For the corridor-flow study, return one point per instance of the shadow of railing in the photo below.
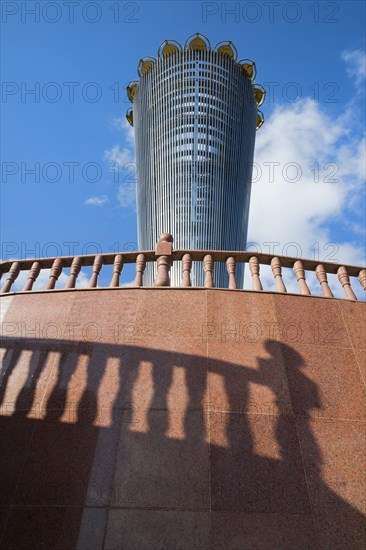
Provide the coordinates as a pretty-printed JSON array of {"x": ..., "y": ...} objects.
[{"x": 121, "y": 446}]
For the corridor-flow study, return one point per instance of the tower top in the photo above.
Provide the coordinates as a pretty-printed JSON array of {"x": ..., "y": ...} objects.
[{"x": 199, "y": 43}]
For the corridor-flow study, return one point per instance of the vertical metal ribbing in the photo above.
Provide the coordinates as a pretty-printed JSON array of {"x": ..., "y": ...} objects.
[
  {"x": 219, "y": 184},
  {"x": 232, "y": 162},
  {"x": 181, "y": 164},
  {"x": 194, "y": 175},
  {"x": 194, "y": 161}
]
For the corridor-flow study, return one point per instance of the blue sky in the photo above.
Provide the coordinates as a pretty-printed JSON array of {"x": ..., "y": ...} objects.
[{"x": 78, "y": 57}]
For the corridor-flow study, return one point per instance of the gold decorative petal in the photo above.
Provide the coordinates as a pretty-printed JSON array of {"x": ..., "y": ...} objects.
[
  {"x": 169, "y": 47},
  {"x": 226, "y": 50},
  {"x": 259, "y": 94},
  {"x": 197, "y": 42},
  {"x": 249, "y": 68},
  {"x": 226, "y": 47},
  {"x": 145, "y": 65},
  {"x": 132, "y": 88},
  {"x": 129, "y": 116},
  {"x": 260, "y": 119}
]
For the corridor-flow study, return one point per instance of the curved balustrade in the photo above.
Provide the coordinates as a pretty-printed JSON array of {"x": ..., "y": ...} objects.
[{"x": 164, "y": 256}]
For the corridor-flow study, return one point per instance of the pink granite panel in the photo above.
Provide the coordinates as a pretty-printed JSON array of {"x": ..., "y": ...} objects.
[
  {"x": 240, "y": 530},
  {"x": 309, "y": 320},
  {"x": 256, "y": 464},
  {"x": 57, "y": 467},
  {"x": 253, "y": 381},
  {"x": 171, "y": 313},
  {"x": 245, "y": 318},
  {"x": 334, "y": 460},
  {"x": 38, "y": 316},
  {"x": 156, "y": 529},
  {"x": 164, "y": 373},
  {"x": 354, "y": 314},
  {"x": 361, "y": 361},
  {"x": 324, "y": 382},
  {"x": 153, "y": 470},
  {"x": 42, "y": 527},
  {"x": 104, "y": 316}
]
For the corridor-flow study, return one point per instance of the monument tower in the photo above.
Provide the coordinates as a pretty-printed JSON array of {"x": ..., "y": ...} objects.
[
  {"x": 195, "y": 114},
  {"x": 141, "y": 416}
]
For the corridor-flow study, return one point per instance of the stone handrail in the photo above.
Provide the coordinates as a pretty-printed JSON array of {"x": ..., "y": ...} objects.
[{"x": 164, "y": 256}]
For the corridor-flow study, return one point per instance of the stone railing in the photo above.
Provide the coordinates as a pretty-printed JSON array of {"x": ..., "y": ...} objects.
[{"x": 164, "y": 256}]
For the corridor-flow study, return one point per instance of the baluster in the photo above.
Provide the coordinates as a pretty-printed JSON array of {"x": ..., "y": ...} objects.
[
  {"x": 32, "y": 277},
  {"x": 254, "y": 270},
  {"x": 208, "y": 264},
  {"x": 277, "y": 273},
  {"x": 300, "y": 276},
  {"x": 162, "y": 276},
  {"x": 230, "y": 266},
  {"x": 117, "y": 268},
  {"x": 97, "y": 266},
  {"x": 12, "y": 275},
  {"x": 362, "y": 278},
  {"x": 163, "y": 251},
  {"x": 186, "y": 270},
  {"x": 56, "y": 270},
  {"x": 323, "y": 280},
  {"x": 345, "y": 282},
  {"x": 74, "y": 272},
  {"x": 140, "y": 268}
]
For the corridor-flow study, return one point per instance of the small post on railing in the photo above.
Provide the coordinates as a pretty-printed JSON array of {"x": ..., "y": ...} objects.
[
  {"x": 300, "y": 276},
  {"x": 277, "y": 273},
  {"x": 12, "y": 275},
  {"x": 254, "y": 270},
  {"x": 97, "y": 266},
  {"x": 74, "y": 272},
  {"x": 56, "y": 271},
  {"x": 321, "y": 275},
  {"x": 163, "y": 251},
  {"x": 230, "y": 266},
  {"x": 140, "y": 268},
  {"x": 362, "y": 278},
  {"x": 345, "y": 282},
  {"x": 186, "y": 270},
  {"x": 33, "y": 274},
  {"x": 208, "y": 264},
  {"x": 117, "y": 268}
]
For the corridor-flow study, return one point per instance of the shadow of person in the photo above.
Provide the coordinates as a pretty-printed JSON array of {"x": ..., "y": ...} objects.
[
  {"x": 303, "y": 392},
  {"x": 260, "y": 468},
  {"x": 339, "y": 524}
]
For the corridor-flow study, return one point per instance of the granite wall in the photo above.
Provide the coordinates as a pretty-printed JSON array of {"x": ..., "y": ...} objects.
[{"x": 193, "y": 419}]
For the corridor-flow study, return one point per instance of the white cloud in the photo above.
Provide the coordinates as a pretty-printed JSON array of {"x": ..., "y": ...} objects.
[
  {"x": 128, "y": 284},
  {"x": 97, "y": 201},
  {"x": 126, "y": 165},
  {"x": 82, "y": 280},
  {"x": 121, "y": 156},
  {"x": 117, "y": 123},
  {"x": 126, "y": 194},
  {"x": 120, "y": 123},
  {"x": 355, "y": 65},
  {"x": 328, "y": 160}
]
